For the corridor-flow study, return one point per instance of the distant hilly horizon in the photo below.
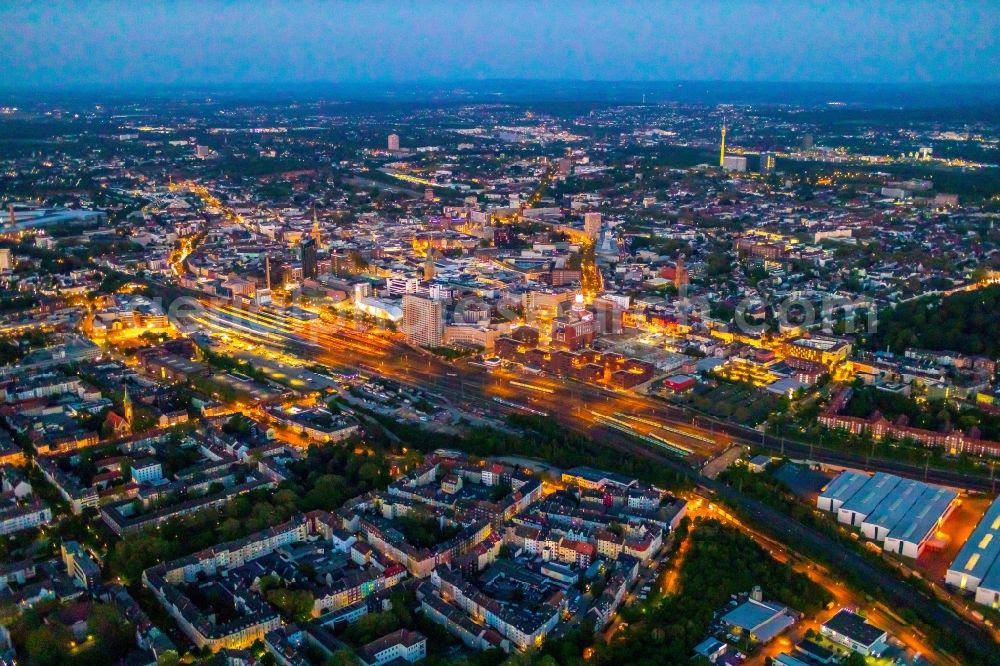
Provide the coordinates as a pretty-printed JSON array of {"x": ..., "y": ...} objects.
[{"x": 795, "y": 93}]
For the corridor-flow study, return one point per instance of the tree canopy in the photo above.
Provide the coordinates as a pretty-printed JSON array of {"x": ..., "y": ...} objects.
[{"x": 965, "y": 322}]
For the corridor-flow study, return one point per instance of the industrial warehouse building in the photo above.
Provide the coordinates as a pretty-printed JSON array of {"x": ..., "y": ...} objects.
[
  {"x": 759, "y": 620},
  {"x": 901, "y": 513},
  {"x": 877, "y": 525},
  {"x": 977, "y": 566},
  {"x": 853, "y": 632},
  {"x": 912, "y": 533},
  {"x": 856, "y": 509},
  {"x": 840, "y": 490}
]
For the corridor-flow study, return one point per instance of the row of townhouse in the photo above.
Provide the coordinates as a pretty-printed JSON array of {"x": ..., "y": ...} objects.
[
  {"x": 46, "y": 385},
  {"x": 257, "y": 617},
  {"x": 356, "y": 586},
  {"x": 69, "y": 489},
  {"x": 417, "y": 485},
  {"x": 18, "y": 517},
  {"x": 605, "y": 607},
  {"x": 556, "y": 526},
  {"x": 418, "y": 561},
  {"x": 457, "y": 622},
  {"x": 582, "y": 549},
  {"x": 123, "y": 518},
  {"x": 953, "y": 442},
  {"x": 639, "y": 497},
  {"x": 390, "y": 543},
  {"x": 480, "y": 556},
  {"x": 525, "y": 629},
  {"x": 641, "y": 542}
]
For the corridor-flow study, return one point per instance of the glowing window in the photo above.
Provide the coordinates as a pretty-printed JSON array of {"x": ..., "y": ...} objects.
[
  {"x": 972, "y": 561},
  {"x": 985, "y": 541}
]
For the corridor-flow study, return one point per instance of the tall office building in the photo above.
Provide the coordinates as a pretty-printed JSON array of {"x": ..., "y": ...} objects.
[
  {"x": 592, "y": 224},
  {"x": 6, "y": 259},
  {"x": 423, "y": 321},
  {"x": 767, "y": 162},
  {"x": 309, "y": 258},
  {"x": 734, "y": 163},
  {"x": 393, "y": 143}
]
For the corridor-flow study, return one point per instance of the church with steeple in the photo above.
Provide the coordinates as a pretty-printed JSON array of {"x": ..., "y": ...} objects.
[
  {"x": 429, "y": 268},
  {"x": 127, "y": 408},
  {"x": 118, "y": 425},
  {"x": 316, "y": 234}
]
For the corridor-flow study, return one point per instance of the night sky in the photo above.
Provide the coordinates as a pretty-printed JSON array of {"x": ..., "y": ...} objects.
[{"x": 115, "y": 43}]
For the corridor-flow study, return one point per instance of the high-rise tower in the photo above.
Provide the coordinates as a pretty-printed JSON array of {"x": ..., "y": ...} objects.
[
  {"x": 309, "y": 258},
  {"x": 767, "y": 162},
  {"x": 423, "y": 321},
  {"x": 722, "y": 148}
]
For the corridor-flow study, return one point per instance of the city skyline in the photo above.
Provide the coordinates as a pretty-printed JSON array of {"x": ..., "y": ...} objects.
[{"x": 107, "y": 43}]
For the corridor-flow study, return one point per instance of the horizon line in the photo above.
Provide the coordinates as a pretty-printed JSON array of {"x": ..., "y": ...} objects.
[{"x": 103, "y": 85}]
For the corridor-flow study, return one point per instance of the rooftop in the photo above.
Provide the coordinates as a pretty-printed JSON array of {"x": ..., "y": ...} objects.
[
  {"x": 872, "y": 493},
  {"x": 855, "y": 627},
  {"x": 979, "y": 555},
  {"x": 916, "y": 527},
  {"x": 897, "y": 504},
  {"x": 763, "y": 619},
  {"x": 844, "y": 486}
]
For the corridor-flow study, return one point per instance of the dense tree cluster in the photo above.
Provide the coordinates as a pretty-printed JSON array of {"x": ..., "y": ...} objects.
[
  {"x": 39, "y": 634},
  {"x": 325, "y": 478},
  {"x": 719, "y": 562},
  {"x": 965, "y": 322},
  {"x": 294, "y": 605},
  {"x": 537, "y": 437},
  {"x": 422, "y": 530}
]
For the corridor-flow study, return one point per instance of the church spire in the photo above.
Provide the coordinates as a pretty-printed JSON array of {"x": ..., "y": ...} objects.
[
  {"x": 127, "y": 407},
  {"x": 316, "y": 234},
  {"x": 429, "y": 265}
]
